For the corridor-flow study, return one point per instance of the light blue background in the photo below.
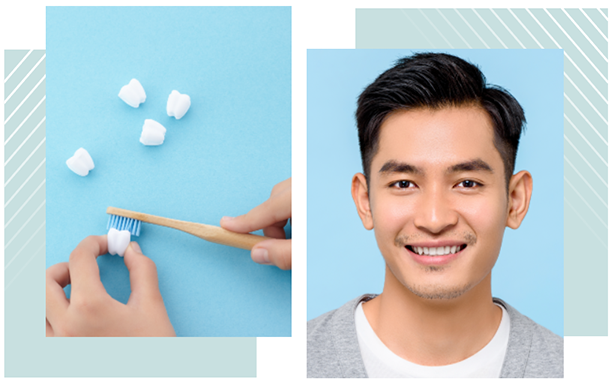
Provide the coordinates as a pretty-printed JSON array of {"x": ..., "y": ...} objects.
[
  {"x": 222, "y": 158},
  {"x": 343, "y": 258}
]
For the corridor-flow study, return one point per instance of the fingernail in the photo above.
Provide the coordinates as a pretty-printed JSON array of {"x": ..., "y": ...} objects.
[
  {"x": 226, "y": 218},
  {"x": 136, "y": 247},
  {"x": 260, "y": 256}
]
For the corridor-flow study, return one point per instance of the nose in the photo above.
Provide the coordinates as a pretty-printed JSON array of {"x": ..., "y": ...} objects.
[{"x": 434, "y": 213}]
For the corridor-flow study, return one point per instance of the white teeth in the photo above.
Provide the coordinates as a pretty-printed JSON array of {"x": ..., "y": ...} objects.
[
  {"x": 133, "y": 93},
  {"x": 81, "y": 162},
  {"x": 178, "y": 104},
  {"x": 432, "y": 251},
  {"x": 153, "y": 133}
]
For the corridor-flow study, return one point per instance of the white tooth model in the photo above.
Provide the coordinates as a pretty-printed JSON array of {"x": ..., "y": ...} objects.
[
  {"x": 153, "y": 133},
  {"x": 178, "y": 104},
  {"x": 133, "y": 93},
  {"x": 118, "y": 241},
  {"x": 81, "y": 162}
]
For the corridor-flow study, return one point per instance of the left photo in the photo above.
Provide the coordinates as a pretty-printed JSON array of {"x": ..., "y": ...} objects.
[{"x": 168, "y": 144}]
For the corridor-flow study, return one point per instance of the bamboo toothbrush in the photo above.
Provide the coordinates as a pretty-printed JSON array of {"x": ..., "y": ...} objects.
[{"x": 121, "y": 219}]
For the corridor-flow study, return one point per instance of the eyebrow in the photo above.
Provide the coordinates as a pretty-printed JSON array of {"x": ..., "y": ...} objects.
[
  {"x": 472, "y": 165},
  {"x": 392, "y": 166}
]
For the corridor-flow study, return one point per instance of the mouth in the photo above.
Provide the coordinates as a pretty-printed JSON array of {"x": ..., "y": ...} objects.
[
  {"x": 436, "y": 251},
  {"x": 434, "y": 255}
]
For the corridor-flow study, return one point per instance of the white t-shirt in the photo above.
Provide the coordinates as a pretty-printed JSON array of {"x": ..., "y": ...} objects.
[{"x": 381, "y": 362}]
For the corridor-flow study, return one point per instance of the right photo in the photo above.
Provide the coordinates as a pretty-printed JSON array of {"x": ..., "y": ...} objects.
[{"x": 435, "y": 213}]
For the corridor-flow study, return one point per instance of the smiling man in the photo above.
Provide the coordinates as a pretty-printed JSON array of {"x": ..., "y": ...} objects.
[{"x": 438, "y": 147}]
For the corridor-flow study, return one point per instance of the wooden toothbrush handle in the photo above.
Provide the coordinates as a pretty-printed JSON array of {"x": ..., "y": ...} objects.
[{"x": 208, "y": 232}]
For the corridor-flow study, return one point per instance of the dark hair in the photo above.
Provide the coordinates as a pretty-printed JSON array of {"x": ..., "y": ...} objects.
[{"x": 435, "y": 81}]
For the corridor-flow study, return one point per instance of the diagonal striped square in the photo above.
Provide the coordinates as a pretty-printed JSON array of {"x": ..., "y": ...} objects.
[{"x": 24, "y": 165}]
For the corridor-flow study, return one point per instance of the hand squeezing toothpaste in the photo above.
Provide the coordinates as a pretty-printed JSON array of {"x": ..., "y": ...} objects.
[
  {"x": 271, "y": 216},
  {"x": 91, "y": 311}
]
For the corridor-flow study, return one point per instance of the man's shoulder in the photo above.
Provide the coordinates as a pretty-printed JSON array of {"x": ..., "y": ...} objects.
[
  {"x": 342, "y": 318},
  {"x": 333, "y": 349},
  {"x": 533, "y": 350}
]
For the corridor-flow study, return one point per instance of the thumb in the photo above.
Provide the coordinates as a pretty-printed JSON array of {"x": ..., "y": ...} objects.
[
  {"x": 142, "y": 274},
  {"x": 273, "y": 251}
]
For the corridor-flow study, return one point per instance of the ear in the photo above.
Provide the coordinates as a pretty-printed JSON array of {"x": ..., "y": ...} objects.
[
  {"x": 520, "y": 191},
  {"x": 361, "y": 200}
]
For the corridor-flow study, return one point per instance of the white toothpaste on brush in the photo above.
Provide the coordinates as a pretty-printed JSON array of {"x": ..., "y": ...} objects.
[
  {"x": 133, "y": 93},
  {"x": 118, "y": 241},
  {"x": 178, "y": 104},
  {"x": 81, "y": 162}
]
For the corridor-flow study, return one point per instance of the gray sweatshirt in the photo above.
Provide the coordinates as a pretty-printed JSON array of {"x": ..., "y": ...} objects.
[{"x": 333, "y": 347}]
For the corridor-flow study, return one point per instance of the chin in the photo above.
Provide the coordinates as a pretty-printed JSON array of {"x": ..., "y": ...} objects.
[
  {"x": 438, "y": 292},
  {"x": 435, "y": 282}
]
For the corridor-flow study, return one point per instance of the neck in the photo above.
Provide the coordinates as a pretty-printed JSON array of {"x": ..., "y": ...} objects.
[{"x": 433, "y": 332}]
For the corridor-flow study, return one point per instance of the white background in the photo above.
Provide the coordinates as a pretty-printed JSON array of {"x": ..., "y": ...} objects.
[{"x": 315, "y": 24}]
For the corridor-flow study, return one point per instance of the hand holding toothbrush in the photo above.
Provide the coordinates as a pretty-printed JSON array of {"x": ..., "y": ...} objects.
[
  {"x": 271, "y": 216},
  {"x": 91, "y": 311}
]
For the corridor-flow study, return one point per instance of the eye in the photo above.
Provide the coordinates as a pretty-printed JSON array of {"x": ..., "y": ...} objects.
[
  {"x": 469, "y": 184},
  {"x": 402, "y": 184}
]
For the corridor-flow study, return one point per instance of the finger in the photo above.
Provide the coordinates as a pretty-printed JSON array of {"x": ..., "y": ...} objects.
[
  {"x": 49, "y": 331},
  {"x": 84, "y": 271},
  {"x": 57, "y": 277},
  {"x": 276, "y": 230},
  {"x": 277, "y": 208},
  {"x": 142, "y": 275},
  {"x": 281, "y": 187},
  {"x": 59, "y": 274},
  {"x": 273, "y": 251}
]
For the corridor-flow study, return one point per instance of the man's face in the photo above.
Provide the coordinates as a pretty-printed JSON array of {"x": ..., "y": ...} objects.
[{"x": 437, "y": 199}]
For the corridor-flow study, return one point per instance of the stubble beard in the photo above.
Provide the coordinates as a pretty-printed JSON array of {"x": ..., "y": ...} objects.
[
  {"x": 433, "y": 292},
  {"x": 438, "y": 291}
]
